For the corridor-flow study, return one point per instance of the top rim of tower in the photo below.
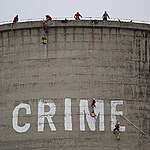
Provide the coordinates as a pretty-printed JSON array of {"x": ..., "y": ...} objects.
[{"x": 125, "y": 24}]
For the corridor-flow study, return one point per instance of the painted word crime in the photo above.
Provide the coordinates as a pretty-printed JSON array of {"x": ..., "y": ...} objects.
[{"x": 84, "y": 115}]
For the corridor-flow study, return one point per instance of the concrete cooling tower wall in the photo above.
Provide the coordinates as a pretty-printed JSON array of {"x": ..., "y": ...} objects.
[{"x": 46, "y": 88}]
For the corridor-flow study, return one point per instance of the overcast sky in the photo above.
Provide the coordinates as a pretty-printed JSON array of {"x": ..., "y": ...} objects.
[{"x": 32, "y": 9}]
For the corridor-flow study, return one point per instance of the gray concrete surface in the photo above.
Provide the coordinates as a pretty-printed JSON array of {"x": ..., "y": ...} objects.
[{"x": 83, "y": 59}]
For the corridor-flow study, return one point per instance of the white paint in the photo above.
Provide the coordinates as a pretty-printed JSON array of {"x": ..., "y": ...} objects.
[
  {"x": 100, "y": 110},
  {"x": 48, "y": 115},
  {"x": 84, "y": 110},
  {"x": 114, "y": 113},
  {"x": 84, "y": 117},
  {"x": 67, "y": 115},
  {"x": 26, "y": 126}
]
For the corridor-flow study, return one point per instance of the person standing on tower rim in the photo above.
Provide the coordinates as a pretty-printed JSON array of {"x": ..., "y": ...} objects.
[
  {"x": 77, "y": 16},
  {"x": 15, "y": 20},
  {"x": 105, "y": 16}
]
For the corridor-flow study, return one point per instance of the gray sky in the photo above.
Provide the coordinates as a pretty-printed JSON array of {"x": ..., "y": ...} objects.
[{"x": 31, "y": 9}]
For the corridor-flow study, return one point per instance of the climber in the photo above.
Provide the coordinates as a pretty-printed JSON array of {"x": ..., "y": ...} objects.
[
  {"x": 45, "y": 23},
  {"x": 48, "y": 18},
  {"x": 93, "y": 102},
  {"x": 117, "y": 127},
  {"x": 15, "y": 20},
  {"x": 116, "y": 130},
  {"x": 77, "y": 16},
  {"x": 105, "y": 16},
  {"x": 93, "y": 114}
]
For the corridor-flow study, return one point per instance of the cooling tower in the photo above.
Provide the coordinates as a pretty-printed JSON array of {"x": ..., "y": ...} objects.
[{"x": 50, "y": 74}]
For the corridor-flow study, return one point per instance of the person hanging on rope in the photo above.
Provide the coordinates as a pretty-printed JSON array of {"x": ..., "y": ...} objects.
[
  {"x": 45, "y": 23},
  {"x": 105, "y": 16},
  {"x": 116, "y": 130},
  {"x": 16, "y": 18},
  {"x": 117, "y": 127},
  {"x": 77, "y": 16},
  {"x": 93, "y": 105},
  {"x": 93, "y": 102}
]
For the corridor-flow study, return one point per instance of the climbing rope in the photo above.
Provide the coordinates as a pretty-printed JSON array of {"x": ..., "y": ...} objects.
[{"x": 141, "y": 131}]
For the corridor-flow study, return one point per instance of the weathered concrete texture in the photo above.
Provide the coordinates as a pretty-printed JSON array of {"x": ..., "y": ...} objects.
[{"x": 83, "y": 59}]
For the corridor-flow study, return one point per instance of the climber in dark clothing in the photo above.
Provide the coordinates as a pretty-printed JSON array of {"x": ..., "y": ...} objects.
[
  {"x": 105, "y": 16},
  {"x": 93, "y": 114},
  {"x": 15, "y": 20},
  {"x": 77, "y": 16},
  {"x": 117, "y": 127},
  {"x": 48, "y": 18},
  {"x": 93, "y": 102}
]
